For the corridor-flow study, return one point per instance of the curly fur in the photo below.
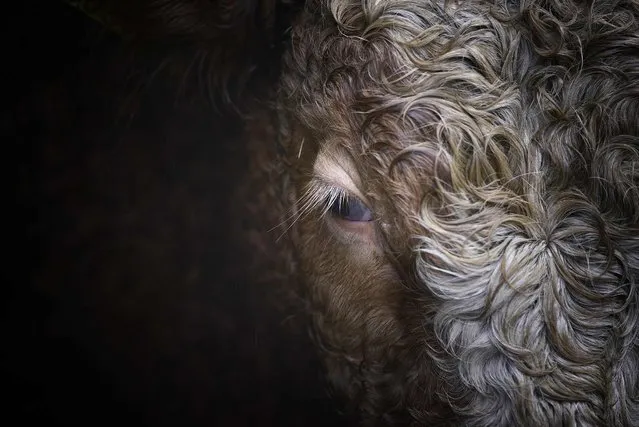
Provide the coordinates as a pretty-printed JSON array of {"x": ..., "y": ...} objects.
[{"x": 498, "y": 142}]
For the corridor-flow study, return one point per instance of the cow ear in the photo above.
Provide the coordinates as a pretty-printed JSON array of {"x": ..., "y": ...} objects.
[{"x": 238, "y": 38}]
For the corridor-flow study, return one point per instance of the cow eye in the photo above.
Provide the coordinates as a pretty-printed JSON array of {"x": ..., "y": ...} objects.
[{"x": 350, "y": 208}]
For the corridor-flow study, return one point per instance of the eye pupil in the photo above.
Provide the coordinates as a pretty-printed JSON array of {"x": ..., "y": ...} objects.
[{"x": 351, "y": 209}]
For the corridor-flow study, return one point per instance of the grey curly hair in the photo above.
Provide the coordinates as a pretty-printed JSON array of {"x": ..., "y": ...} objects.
[{"x": 497, "y": 143}]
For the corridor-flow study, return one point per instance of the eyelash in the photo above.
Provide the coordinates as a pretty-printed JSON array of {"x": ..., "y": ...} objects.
[
  {"x": 334, "y": 200},
  {"x": 321, "y": 195}
]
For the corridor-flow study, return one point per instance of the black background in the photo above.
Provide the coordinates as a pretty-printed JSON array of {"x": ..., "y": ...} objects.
[{"x": 126, "y": 298}]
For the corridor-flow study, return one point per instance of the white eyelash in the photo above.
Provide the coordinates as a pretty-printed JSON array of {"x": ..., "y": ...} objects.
[
  {"x": 318, "y": 194},
  {"x": 321, "y": 195}
]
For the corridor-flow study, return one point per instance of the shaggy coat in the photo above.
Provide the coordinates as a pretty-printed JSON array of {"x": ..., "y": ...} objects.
[{"x": 497, "y": 145}]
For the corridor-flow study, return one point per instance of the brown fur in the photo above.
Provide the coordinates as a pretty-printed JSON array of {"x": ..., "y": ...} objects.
[{"x": 496, "y": 143}]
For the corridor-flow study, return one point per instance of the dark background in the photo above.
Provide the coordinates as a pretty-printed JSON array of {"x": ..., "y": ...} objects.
[{"x": 126, "y": 297}]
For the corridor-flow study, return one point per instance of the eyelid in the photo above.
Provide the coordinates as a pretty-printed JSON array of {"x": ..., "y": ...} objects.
[
  {"x": 333, "y": 191},
  {"x": 329, "y": 185},
  {"x": 331, "y": 173},
  {"x": 326, "y": 192}
]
